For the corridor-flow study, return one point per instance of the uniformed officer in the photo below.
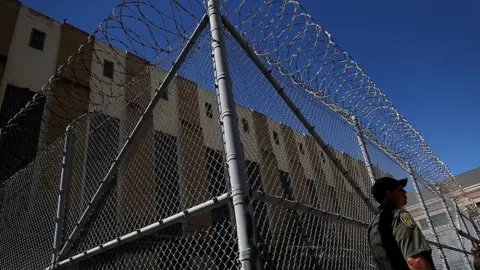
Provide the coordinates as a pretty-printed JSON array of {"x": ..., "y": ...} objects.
[
  {"x": 394, "y": 238},
  {"x": 476, "y": 257}
]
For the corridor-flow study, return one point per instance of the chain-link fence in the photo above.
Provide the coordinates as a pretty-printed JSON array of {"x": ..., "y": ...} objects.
[{"x": 204, "y": 142}]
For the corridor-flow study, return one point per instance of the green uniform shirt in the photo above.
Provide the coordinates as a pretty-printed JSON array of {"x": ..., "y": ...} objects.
[
  {"x": 394, "y": 236},
  {"x": 476, "y": 263}
]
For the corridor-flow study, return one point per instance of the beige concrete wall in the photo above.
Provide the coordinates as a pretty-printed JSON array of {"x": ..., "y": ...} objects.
[
  {"x": 165, "y": 114},
  {"x": 296, "y": 169},
  {"x": 278, "y": 149},
  {"x": 27, "y": 67},
  {"x": 248, "y": 138},
  {"x": 137, "y": 71},
  {"x": 69, "y": 101},
  {"x": 107, "y": 94},
  {"x": 278, "y": 218},
  {"x": 263, "y": 135},
  {"x": 23, "y": 60},
  {"x": 211, "y": 129},
  {"x": 78, "y": 70},
  {"x": 192, "y": 162},
  {"x": 136, "y": 192},
  {"x": 136, "y": 186},
  {"x": 305, "y": 158},
  {"x": 317, "y": 162},
  {"x": 69, "y": 97}
]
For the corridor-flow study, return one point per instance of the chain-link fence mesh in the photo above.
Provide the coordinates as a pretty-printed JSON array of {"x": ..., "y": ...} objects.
[
  {"x": 175, "y": 163},
  {"x": 145, "y": 156},
  {"x": 28, "y": 211},
  {"x": 440, "y": 225},
  {"x": 289, "y": 165}
]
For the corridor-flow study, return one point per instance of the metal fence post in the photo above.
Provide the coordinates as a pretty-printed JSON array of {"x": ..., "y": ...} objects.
[
  {"x": 427, "y": 214},
  {"x": 452, "y": 224},
  {"x": 363, "y": 147},
  {"x": 63, "y": 193},
  {"x": 247, "y": 248}
]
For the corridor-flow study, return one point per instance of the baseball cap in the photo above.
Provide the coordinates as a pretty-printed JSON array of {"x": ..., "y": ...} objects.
[{"x": 384, "y": 184}]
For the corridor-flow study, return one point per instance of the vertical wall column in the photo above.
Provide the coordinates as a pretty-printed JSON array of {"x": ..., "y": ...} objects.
[{"x": 233, "y": 150}]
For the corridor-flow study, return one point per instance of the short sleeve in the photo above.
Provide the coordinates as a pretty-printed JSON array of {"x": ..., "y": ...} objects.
[{"x": 408, "y": 235}]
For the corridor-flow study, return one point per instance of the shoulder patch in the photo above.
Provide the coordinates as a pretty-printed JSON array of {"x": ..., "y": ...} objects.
[{"x": 407, "y": 219}]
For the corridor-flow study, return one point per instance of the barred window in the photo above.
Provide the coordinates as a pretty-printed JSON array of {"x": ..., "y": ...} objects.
[
  {"x": 301, "y": 149},
  {"x": 208, "y": 110},
  {"x": 312, "y": 192},
  {"x": 275, "y": 138},
  {"x": 37, "y": 39},
  {"x": 286, "y": 183},
  {"x": 164, "y": 94},
  {"x": 108, "y": 69},
  {"x": 245, "y": 125}
]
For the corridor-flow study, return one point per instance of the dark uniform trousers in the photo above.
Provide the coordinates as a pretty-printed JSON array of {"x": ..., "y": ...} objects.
[{"x": 393, "y": 236}]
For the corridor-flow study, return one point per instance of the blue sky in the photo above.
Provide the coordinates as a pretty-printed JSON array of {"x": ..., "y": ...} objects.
[{"x": 422, "y": 54}]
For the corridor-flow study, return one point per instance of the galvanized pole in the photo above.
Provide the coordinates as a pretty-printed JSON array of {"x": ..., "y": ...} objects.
[
  {"x": 363, "y": 147},
  {"x": 63, "y": 193},
  {"x": 427, "y": 215},
  {"x": 247, "y": 247},
  {"x": 452, "y": 224}
]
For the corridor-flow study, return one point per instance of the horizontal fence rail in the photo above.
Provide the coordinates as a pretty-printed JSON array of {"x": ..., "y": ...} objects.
[{"x": 196, "y": 210}]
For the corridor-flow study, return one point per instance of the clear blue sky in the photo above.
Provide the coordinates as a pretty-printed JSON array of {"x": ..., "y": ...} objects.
[{"x": 424, "y": 55}]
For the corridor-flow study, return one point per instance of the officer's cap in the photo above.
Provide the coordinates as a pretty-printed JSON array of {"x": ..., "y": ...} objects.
[{"x": 384, "y": 184}]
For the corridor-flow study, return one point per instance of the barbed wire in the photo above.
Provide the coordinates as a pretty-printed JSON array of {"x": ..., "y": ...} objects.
[
  {"x": 285, "y": 35},
  {"x": 290, "y": 40},
  {"x": 280, "y": 31}
]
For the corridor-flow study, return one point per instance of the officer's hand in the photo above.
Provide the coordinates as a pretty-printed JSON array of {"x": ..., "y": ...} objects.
[{"x": 418, "y": 262}]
